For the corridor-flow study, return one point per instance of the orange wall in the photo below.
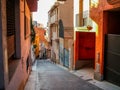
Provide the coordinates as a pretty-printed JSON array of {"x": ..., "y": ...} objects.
[
  {"x": 39, "y": 38},
  {"x": 37, "y": 41},
  {"x": 20, "y": 76},
  {"x": 98, "y": 16},
  {"x": 42, "y": 36}
]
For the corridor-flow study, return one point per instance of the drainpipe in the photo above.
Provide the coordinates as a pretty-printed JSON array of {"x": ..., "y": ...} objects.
[{"x": 80, "y": 13}]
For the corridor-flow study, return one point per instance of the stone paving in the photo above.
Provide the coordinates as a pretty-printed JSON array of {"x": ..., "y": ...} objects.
[
  {"x": 87, "y": 74},
  {"x": 48, "y": 76}
]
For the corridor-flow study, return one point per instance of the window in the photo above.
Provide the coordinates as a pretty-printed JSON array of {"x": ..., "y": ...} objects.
[
  {"x": 10, "y": 12},
  {"x": 27, "y": 27},
  {"x": 10, "y": 17},
  {"x": 61, "y": 29},
  {"x": 26, "y": 21}
]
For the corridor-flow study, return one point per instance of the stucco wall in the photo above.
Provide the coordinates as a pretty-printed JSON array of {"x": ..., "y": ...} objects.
[
  {"x": 66, "y": 13},
  {"x": 21, "y": 74},
  {"x": 97, "y": 14}
]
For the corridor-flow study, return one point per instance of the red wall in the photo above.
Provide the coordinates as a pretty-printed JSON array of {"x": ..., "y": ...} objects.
[{"x": 84, "y": 48}]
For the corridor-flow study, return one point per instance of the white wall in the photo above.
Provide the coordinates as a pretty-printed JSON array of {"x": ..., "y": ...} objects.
[
  {"x": 85, "y": 5},
  {"x": 76, "y": 10}
]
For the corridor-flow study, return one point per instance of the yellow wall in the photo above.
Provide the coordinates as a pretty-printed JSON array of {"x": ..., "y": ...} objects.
[{"x": 37, "y": 40}]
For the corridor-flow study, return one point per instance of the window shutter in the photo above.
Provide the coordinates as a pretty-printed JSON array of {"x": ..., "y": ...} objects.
[{"x": 10, "y": 17}]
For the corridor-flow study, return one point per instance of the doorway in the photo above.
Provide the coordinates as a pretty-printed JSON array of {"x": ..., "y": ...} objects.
[
  {"x": 112, "y": 46},
  {"x": 84, "y": 54}
]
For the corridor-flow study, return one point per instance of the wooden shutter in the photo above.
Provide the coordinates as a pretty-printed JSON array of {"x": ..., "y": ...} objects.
[
  {"x": 10, "y": 17},
  {"x": 10, "y": 11}
]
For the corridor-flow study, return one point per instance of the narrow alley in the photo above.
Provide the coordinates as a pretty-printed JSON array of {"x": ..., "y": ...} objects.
[
  {"x": 81, "y": 37},
  {"x": 48, "y": 76}
]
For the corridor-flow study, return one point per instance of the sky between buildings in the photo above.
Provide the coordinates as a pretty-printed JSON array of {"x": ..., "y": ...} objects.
[{"x": 41, "y": 16}]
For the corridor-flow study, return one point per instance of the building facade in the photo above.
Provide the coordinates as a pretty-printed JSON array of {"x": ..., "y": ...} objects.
[
  {"x": 15, "y": 58},
  {"x": 105, "y": 14},
  {"x": 36, "y": 43},
  {"x": 43, "y": 44},
  {"x": 53, "y": 32},
  {"x": 61, "y": 31},
  {"x": 84, "y": 36},
  {"x": 66, "y": 35}
]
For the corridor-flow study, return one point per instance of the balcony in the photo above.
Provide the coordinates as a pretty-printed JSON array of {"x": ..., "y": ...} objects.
[
  {"x": 55, "y": 39},
  {"x": 55, "y": 36},
  {"x": 53, "y": 19}
]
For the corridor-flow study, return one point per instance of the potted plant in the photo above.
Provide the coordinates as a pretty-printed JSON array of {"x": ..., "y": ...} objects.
[{"x": 89, "y": 27}]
